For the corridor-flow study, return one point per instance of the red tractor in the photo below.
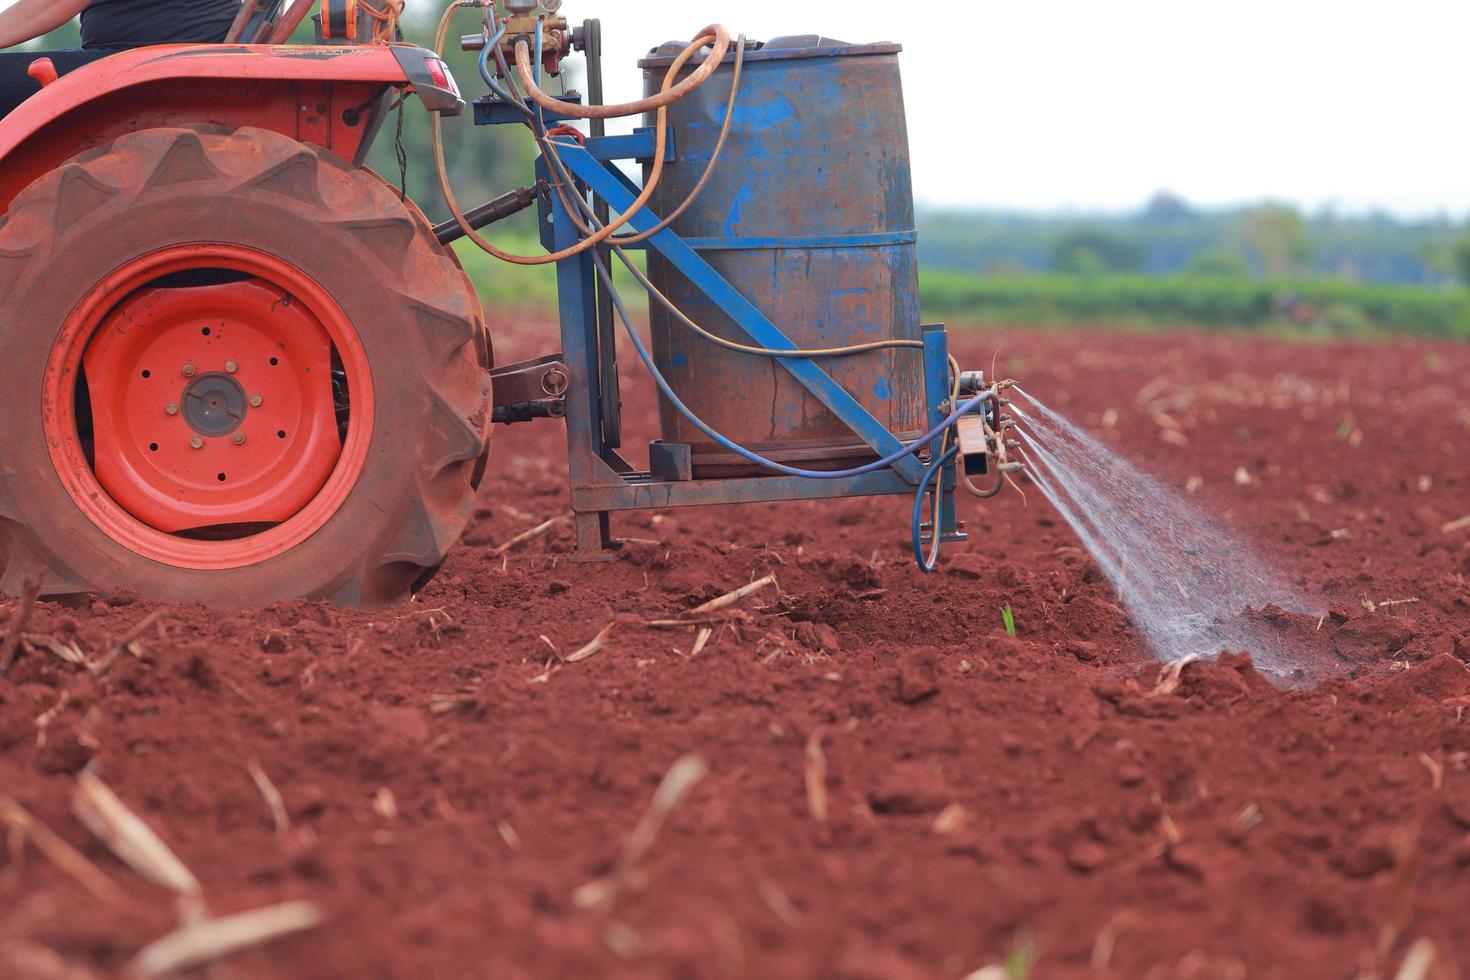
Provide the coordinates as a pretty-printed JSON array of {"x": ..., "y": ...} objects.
[
  {"x": 240, "y": 367},
  {"x": 202, "y": 289}
]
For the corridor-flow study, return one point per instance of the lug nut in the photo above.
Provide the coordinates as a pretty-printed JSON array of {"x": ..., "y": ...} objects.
[
  {"x": 256, "y": 401},
  {"x": 196, "y": 443},
  {"x": 172, "y": 408},
  {"x": 189, "y": 370},
  {"x": 239, "y": 438},
  {"x": 231, "y": 367}
]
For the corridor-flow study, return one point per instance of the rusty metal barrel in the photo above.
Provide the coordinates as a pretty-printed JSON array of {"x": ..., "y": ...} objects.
[{"x": 810, "y": 214}]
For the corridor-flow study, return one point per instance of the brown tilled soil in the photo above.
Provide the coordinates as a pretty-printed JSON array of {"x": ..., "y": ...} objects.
[{"x": 450, "y": 783}]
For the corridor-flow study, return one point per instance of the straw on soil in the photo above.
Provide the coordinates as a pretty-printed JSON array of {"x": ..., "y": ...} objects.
[
  {"x": 127, "y": 836},
  {"x": 11, "y": 646},
  {"x": 1418, "y": 961},
  {"x": 730, "y": 598},
  {"x": 815, "y": 772},
  {"x": 274, "y": 802},
  {"x": 530, "y": 535},
  {"x": 205, "y": 941},
  {"x": 128, "y": 644},
  {"x": 682, "y": 777},
  {"x": 1170, "y": 676},
  {"x": 591, "y": 648},
  {"x": 58, "y": 851}
]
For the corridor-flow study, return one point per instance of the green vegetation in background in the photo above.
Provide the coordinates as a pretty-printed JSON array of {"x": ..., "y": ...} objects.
[
  {"x": 1167, "y": 264},
  {"x": 66, "y": 37},
  {"x": 1168, "y": 235},
  {"x": 1328, "y": 306},
  {"x": 504, "y": 286}
]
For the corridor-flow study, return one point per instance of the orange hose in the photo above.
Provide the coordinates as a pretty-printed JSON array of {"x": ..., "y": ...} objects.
[
  {"x": 666, "y": 97},
  {"x": 660, "y": 146}
]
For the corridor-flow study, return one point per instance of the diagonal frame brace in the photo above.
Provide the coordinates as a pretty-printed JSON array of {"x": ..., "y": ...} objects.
[{"x": 760, "y": 330}]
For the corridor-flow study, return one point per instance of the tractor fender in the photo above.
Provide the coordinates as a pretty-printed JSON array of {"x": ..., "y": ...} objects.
[{"x": 333, "y": 97}]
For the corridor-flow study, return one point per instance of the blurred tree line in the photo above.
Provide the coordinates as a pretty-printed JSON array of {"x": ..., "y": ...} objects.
[{"x": 1268, "y": 241}]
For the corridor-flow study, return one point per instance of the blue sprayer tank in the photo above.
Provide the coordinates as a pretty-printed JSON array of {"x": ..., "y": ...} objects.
[{"x": 810, "y": 214}]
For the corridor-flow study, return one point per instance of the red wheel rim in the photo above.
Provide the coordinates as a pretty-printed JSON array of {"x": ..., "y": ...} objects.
[{"x": 212, "y": 407}]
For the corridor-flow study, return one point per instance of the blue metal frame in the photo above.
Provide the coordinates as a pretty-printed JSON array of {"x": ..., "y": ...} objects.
[{"x": 601, "y": 480}]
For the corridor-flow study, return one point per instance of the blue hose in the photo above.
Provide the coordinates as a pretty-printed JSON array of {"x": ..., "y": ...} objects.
[
  {"x": 688, "y": 413},
  {"x": 928, "y": 562},
  {"x": 487, "y": 74}
]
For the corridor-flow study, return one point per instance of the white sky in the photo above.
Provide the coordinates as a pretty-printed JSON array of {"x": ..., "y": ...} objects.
[
  {"x": 1089, "y": 104},
  {"x": 1096, "y": 104}
]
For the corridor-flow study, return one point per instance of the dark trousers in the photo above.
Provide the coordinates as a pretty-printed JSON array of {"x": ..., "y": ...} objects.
[{"x": 16, "y": 86}]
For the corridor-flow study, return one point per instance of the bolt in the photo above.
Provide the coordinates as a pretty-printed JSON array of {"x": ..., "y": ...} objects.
[
  {"x": 231, "y": 367},
  {"x": 256, "y": 401},
  {"x": 172, "y": 408},
  {"x": 239, "y": 438},
  {"x": 196, "y": 443},
  {"x": 189, "y": 370}
]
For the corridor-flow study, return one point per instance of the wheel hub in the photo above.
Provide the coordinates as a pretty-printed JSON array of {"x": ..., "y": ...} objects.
[{"x": 212, "y": 406}]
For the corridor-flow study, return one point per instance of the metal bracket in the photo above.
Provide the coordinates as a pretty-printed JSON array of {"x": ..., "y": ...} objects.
[
  {"x": 530, "y": 390},
  {"x": 671, "y": 461},
  {"x": 491, "y": 110}
]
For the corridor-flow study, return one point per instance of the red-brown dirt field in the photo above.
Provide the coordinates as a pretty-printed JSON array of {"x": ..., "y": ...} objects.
[{"x": 450, "y": 784}]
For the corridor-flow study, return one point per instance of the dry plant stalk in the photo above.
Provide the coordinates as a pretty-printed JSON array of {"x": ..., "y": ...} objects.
[
  {"x": 128, "y": 644},
  {"x": 58, "y": 851},
  {"x": 385, "y": 804},
  {"x": 66, "y": 652},
  {"x": 1171, "y": 676},
  {"x": 1459, "y": 524},
  {"x": 591, "y": 648},
  {"x": 995, "y": 972},
  {"x": 1408, "y": 861},
  {"x": 448, "y": 704},
  {"x": 950, "y": 819},
  {"x": 681, "y": 624},
  {"x": 730, "y": 598},
  {"x": 127, "y": 836},
  {"x": 682, "y": 777},
  {"x": 206, "y": 941},
  {"x": 273, "y": 799},
  {"x": 11, "y": 646},
  {"x": 815, "y": 772},
  {"x": 701, "y": 641},
  {"x": 1417, "y": 961},
  {"x": 530, "y": 535},
  {"x": 1436, "y": 771}
]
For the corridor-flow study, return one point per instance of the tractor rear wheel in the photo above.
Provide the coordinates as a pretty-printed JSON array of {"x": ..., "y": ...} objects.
[{"x": 236, "y": 370}]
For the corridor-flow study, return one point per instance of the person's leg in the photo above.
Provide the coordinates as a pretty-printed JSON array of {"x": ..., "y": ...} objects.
[{"x": 16, "y": 86}]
